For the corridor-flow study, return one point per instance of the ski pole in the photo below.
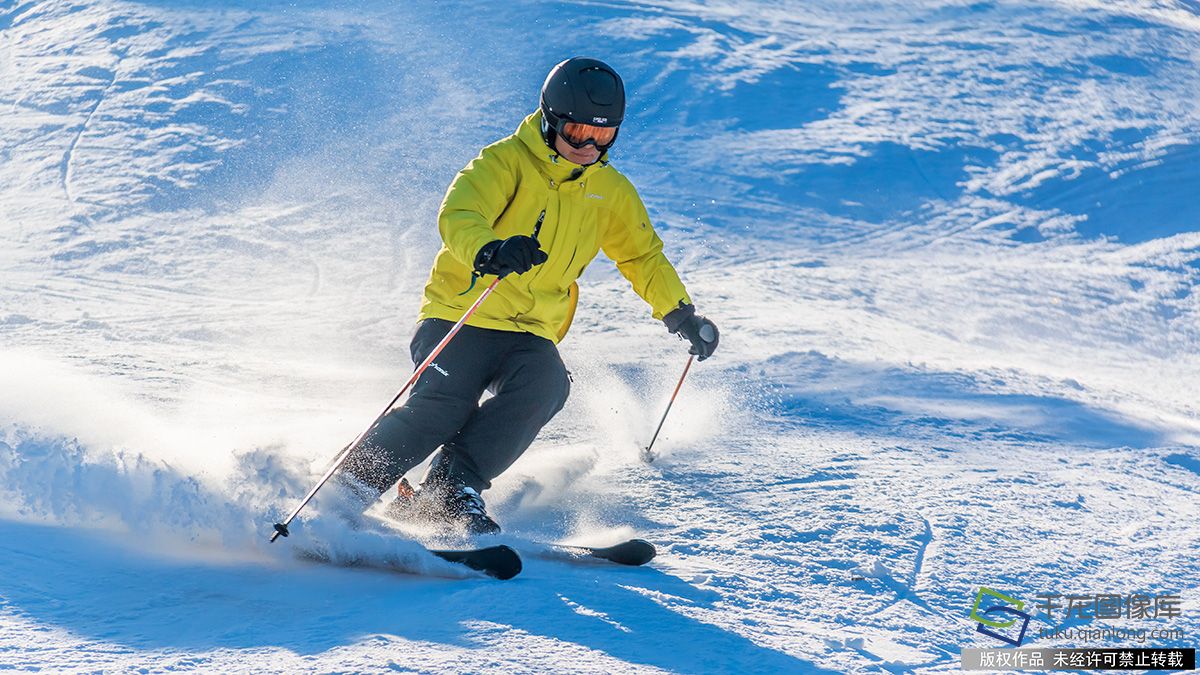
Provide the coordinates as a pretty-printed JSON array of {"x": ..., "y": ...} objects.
[
  {"x": 282, "y": 528},
  {"x": 646, "y": 454}
]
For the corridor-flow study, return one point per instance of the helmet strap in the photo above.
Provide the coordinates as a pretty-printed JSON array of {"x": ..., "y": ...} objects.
[{"x": 548, "y": 131}]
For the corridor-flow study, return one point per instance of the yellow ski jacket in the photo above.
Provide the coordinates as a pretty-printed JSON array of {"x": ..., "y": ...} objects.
[{"x": 501, "y": 193}]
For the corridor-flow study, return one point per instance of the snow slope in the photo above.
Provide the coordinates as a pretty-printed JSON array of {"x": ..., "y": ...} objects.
[{"x": 953, "y": 250}]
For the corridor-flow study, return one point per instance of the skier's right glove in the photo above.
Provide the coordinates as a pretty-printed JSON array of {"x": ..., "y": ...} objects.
[
  {"x": 701, "y": 332},
  {"x": 517, "y": 254}
]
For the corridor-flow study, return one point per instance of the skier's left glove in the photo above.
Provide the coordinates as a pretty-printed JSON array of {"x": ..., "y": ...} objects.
[{"x": 700, "y": 331}]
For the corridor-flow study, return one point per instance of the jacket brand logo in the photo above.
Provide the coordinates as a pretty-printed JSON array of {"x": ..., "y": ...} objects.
[
  {"x": 600, "y": 120},
  {"x": 438, "y": 368},
  {"x": 593, "y": 195}
]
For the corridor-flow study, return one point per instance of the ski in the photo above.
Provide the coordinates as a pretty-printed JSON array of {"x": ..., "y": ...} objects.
[
  {"x": 500, "y": 562},
  {"x": 634, "y": 552}
]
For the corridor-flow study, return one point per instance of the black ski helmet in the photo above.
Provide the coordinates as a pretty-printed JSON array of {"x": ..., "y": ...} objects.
[{"x": 581, "y": 90}]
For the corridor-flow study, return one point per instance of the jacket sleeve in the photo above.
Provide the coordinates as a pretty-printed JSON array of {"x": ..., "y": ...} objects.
[
  {"x": 473, "y": 202},
  {"x": 636, "y": 248}
]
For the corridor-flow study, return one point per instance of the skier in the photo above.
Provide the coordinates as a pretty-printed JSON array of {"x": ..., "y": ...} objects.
[{"x": 534, "y": 208}]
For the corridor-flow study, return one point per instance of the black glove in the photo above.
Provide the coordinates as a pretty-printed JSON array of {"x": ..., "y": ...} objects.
[
  {"x": 517, "y": 254},
  {"x": 702, "y": 333}
]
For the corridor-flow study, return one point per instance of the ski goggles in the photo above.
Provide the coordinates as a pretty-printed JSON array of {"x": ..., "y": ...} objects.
[{"x": 579, "y": 135}]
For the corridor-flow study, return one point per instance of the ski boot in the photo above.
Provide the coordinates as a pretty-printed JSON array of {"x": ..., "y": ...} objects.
[{"x": 442, "y": 502}]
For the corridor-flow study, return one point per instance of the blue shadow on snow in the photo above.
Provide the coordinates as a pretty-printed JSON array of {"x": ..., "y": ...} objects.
[
  {"x": 829, "y": 392},
  {"x": 98, "y": 589}
]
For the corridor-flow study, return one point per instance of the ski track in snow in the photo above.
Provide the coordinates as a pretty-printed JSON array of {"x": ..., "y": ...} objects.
[{"x": 952, "y": 249}]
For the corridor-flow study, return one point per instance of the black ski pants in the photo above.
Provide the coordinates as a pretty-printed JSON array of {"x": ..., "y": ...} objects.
[{"x": 529, "y": 384}]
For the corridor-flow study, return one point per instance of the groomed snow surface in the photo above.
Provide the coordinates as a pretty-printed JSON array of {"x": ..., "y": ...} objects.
[{"x": 953, "y": 249}]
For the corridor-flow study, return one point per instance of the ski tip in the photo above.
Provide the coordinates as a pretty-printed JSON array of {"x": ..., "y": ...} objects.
[
  {"x": 506, "y": 563},
  {"x": 633, "y": 552},
  {"x": 500, "y": 562}
]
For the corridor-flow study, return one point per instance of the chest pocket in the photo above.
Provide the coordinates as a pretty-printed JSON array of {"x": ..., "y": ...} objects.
[
  {"x": 592, "y": 213},
  {"x": 521, "y": 213},
  {"x": 588, "y": 242},
  {"x": 572, "y": 244}
]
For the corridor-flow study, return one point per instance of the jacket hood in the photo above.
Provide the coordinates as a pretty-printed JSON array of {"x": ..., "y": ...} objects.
[{"x": 554, "y": 165}]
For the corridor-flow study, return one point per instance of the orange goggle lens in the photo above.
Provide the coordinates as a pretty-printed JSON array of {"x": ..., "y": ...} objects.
[{"x": 578, "y": 134}]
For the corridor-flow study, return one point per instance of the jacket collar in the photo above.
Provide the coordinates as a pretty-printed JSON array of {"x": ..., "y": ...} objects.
[{"x": 555, "y": 166}]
